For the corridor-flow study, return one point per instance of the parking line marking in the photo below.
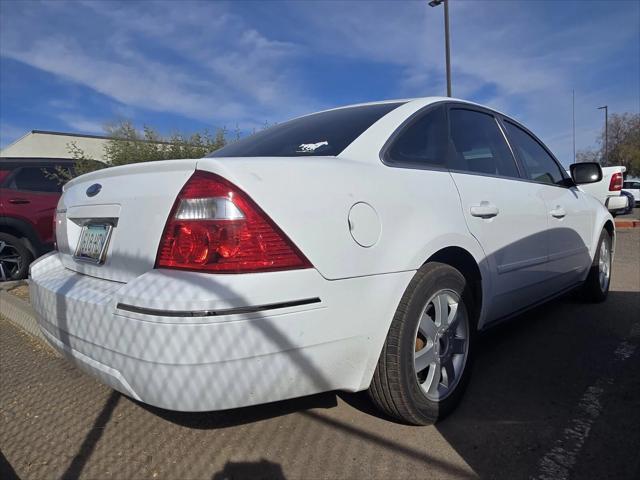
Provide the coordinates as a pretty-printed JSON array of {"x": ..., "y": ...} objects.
[{"x": 558, "y": 462}]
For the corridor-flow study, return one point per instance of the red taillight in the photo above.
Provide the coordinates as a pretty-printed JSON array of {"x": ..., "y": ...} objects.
[
  {"x": 615, "y": 185},
  {"x": 215, "y": 227}
]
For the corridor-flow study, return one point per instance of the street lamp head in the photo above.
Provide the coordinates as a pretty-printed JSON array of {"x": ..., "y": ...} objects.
[
  {"x": 435, "y": 3},
  {"x": 602, "y": 108}
]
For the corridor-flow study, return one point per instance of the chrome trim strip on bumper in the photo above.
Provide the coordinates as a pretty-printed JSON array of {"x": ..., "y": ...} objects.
[{"x": 215, "y": 313}]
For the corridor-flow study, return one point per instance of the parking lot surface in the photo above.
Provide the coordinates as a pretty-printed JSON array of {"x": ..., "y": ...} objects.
[{"x": 555, "y": 394}]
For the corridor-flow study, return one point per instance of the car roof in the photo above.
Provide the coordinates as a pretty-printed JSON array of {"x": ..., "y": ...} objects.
[{"x": 418, "y": 102}]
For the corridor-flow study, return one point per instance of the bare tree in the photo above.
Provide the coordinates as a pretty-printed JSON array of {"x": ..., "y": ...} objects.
[{"x": 624, "y": 144}]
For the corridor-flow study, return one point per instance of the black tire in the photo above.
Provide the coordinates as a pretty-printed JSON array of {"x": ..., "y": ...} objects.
[
  {"x": 592, "y": 289},
  {"x": 395, "y": 387},
  {"x": 12, "y": 248}
]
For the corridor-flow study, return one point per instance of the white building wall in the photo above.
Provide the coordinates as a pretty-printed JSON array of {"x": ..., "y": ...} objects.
[{"x": 54, "y": 145}]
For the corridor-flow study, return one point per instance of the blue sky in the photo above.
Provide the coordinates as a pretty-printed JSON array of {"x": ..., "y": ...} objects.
[{"x": 185, "y": 66}]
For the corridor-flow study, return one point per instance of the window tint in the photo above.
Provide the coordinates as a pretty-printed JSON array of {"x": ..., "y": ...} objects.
[
  {"x": 423, "y": 142},
  {"x": 478, "y": 144},
  {"x": 325, "y": 133},
  {"x": 33, "y": 179},
  {"x": 540, "y": 166},
  {"x": 4, "y": 174},
  {"x": 631, "y": 185}
]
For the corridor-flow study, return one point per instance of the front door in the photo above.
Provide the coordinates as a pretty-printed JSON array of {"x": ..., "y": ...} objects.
[{"x": 570, "y": 217}]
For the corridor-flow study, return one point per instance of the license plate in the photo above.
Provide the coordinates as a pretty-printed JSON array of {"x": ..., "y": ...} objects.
[{"x": 94, "y": 239}]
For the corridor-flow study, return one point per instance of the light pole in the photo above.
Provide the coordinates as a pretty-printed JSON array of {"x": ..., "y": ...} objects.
[
  {"x": 606, "y": 134},
  {"x": 435, "y": 3},
  {"x": 573, "y": 112}
]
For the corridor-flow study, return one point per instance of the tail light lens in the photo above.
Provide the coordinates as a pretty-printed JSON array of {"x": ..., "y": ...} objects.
[
  {"x": 615, "y": 185},
  {"x": 215, "y": 227}
]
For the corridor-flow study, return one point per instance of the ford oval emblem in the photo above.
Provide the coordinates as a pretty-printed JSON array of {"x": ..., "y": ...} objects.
[{"x": 93, "y": 190}]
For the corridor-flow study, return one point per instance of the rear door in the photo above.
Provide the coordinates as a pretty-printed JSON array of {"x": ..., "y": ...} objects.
[
  {"x": 570, "y": 217},
  {"x": 507, "y": 215}
]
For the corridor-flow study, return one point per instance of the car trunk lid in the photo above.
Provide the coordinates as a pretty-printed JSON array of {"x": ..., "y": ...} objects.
[{"x": 133, "y": 202}]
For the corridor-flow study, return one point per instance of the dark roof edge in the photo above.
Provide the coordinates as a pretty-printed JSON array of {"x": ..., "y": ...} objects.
[
  {"x": 38, "y": 159},
  {"x": 86, "y": 135}
]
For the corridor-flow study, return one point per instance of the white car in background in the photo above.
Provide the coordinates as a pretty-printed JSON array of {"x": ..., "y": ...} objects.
[
  {"x": 359, "y": 248},
  {"x": 608, "y": 190},
  {"x": 633, "y": 187}
]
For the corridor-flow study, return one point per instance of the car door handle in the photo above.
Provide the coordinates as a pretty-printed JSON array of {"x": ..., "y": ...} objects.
[
  {"x": 484, "y": 210},
  {"x": 558, "y": 212},
  {"x": 19, "y": 201}
]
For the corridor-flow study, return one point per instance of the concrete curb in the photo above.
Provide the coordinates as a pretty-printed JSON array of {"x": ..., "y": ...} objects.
[
  {"x": 20, "y": 313},
  {"x": 627, "y": 223}
]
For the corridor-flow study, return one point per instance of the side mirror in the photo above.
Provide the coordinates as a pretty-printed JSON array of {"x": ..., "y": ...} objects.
[{"x": 587, "y": 172}]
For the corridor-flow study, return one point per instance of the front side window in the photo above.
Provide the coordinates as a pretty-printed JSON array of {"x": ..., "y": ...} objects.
[
  {"x": 34, "y": 179},
  {"x": 540, "y": 166},
  {"x": 423, "y": 142},
  {"x": 478, "y": 144},
  {"x": 318, "y": 134}
]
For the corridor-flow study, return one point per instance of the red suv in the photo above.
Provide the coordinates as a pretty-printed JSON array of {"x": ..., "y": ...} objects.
[{"x": 28, "y": 201}]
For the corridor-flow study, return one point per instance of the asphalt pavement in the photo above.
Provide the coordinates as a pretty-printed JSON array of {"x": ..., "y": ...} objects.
[{"x": 554, "y": 394}]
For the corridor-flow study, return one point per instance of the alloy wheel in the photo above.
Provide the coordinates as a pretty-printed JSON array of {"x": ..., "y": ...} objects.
[
  {"x": 10, "y": 261},
  {"x": 442, "y": 345},
  {"x": 604, "y": 265}
]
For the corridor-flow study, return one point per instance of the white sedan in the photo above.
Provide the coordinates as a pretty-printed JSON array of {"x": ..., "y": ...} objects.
[{"x": 359, "y": 248}]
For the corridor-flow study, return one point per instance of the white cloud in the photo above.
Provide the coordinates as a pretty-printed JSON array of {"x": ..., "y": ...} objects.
[
  {"x": 82, "y": 124},
  {"x": 231, "y": 74}
]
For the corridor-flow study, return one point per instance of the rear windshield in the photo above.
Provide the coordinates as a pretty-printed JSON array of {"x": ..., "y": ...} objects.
[{"x": 325, "y": 133}]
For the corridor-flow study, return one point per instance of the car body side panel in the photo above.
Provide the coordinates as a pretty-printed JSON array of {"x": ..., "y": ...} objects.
[{"x": 414, "y": 208}]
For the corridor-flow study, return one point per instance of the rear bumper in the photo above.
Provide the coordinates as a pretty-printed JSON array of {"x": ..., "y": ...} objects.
[{"x": 232, "y": 352}]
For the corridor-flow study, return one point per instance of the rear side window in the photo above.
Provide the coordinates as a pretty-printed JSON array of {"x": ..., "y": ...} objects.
[
  {"x": 33, "y": 179},
  {"x": 540, "y": 166},
  {"x": 319, "y": 134},
  {"x": 4, "y": 174},
  {"x": 478, "y": 144},
  {"x": 423, "y": 142}
]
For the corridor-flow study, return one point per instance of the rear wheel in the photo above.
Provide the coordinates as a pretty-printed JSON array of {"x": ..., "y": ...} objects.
[
  {"x": 425, "y": 363},
  {"x": 14, "y": 258},
  {"x": 596, "y": 286}
]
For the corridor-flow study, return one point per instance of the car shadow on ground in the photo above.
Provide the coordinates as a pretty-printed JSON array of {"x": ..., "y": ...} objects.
[
  {"x": 529, "y": 378},
  {"x": 242, "y": 416},
  {"x": 263, "y": 470}
]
